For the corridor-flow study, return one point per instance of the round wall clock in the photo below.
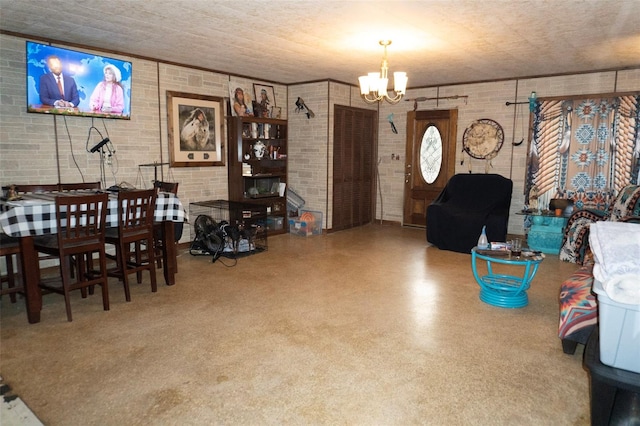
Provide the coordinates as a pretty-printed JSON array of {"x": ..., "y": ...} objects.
[{"x": 483, "y": 139}]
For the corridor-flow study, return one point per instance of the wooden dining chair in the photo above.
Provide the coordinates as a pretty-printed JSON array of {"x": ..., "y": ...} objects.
[
  {"x": 133, "y": 237},
  {"x": 171, "y": 187},
  {"x": 81, "y": 231},
  {"x": 9, "y": 247},
  {"x": 36, "y": 189},
  {"x": 78, "y": 186},
  {"x": 158, "y": 237}
]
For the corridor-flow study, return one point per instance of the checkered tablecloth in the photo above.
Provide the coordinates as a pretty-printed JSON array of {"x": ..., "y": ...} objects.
[{"x": 36, "y": 213}]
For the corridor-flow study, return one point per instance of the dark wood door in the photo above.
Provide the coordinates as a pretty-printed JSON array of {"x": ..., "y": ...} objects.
[
  {"x": 354, "y": 135},
  {"x": 418, "y": 193}
]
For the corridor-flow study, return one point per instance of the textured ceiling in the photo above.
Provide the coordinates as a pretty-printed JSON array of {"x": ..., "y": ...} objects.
[{"x": 435, "y": 42}]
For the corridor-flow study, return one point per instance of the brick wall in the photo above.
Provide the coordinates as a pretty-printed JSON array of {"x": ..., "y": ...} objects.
[{"x": 311, "y": 141}]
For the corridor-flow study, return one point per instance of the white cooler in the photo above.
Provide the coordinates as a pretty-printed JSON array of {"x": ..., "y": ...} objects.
[{"x": 619, "y": 332}]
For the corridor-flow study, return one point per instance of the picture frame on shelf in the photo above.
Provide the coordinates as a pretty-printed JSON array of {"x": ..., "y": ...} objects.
[
  {"x": 240, "y": 100},
  {"x": 265, "y": 99},
  {"x": 276, "y": 112},
  {"x": 196, "y": 128}
]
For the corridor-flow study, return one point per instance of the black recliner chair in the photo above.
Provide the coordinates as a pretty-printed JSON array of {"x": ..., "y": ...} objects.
[{"x": 469, "y": 202}]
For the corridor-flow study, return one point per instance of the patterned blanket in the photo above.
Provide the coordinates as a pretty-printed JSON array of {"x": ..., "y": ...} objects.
[
  {"x": 578, "y": 307},
  {"x": 575, "y": 243}
]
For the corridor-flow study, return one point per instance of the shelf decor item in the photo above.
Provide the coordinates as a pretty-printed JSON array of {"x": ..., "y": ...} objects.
[
  {"x": 276, "y": 112},
  {"x": 195, "y": 128},
  {"x": 265, "y": 99},
  {"x": 240, "y": 100}
]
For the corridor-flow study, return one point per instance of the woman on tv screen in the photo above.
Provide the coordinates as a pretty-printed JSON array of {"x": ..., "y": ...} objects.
[{"x": 108, "y": 96}]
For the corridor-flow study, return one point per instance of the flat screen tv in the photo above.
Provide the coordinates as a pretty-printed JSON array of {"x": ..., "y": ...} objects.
[{"x": 70, "y": 82}]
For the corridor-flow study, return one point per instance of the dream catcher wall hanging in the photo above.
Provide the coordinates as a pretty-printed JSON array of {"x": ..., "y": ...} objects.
[{"x": 482, "y": 140}]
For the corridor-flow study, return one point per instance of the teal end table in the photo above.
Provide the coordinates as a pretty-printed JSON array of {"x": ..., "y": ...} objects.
[
  {"x": 546, "y": 233},
  {"x": 504, "y": 290}
]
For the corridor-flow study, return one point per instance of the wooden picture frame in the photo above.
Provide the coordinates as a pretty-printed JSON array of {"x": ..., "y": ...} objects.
[
  {"x": 276, "y": 112},
  {"x": 265, "y": 99},
  {"x": 240, "y": 101},
  {"x": 196, "y": 129}
]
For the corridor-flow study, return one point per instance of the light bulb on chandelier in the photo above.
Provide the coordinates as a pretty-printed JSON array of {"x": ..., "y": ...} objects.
[{"x": 373, "y": 87}]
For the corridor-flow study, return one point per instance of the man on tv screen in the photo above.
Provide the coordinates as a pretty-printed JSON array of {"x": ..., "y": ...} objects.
[{"x": 58, "y": 89}]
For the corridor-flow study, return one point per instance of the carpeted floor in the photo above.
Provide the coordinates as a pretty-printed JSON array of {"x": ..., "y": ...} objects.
[{"x": 368, "y": 326}]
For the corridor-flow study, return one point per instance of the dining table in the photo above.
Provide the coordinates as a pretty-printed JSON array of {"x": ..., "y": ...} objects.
[{"x": 35, "y": 214}]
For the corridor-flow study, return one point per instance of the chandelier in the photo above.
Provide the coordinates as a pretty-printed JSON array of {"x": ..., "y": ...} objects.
[{"x": 373, "y": 86}]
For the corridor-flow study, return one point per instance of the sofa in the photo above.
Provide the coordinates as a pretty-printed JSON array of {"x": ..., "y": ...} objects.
[
  {"x": 578, "y": 305},
  {"x": 575, "y": 242}
]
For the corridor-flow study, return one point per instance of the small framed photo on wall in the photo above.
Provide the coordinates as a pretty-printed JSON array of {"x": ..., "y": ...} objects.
[
  {"x": 240, "y": 100},
  {"x": 265, "y": 99}
]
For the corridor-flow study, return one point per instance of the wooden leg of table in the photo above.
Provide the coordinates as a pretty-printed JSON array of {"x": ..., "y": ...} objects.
[
  {"x": 169, "y": 253},
  {"x": 31, "y": 277}
]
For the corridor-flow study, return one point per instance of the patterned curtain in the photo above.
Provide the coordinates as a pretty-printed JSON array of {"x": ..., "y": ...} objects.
[{"x": 585, "y": 150}]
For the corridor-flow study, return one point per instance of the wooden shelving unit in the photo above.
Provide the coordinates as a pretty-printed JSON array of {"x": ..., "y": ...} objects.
[{"x": 257, "y": 166}]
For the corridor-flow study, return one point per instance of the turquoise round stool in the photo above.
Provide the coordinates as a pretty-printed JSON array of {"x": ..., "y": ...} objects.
[{"x": 504, "y": 290}]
